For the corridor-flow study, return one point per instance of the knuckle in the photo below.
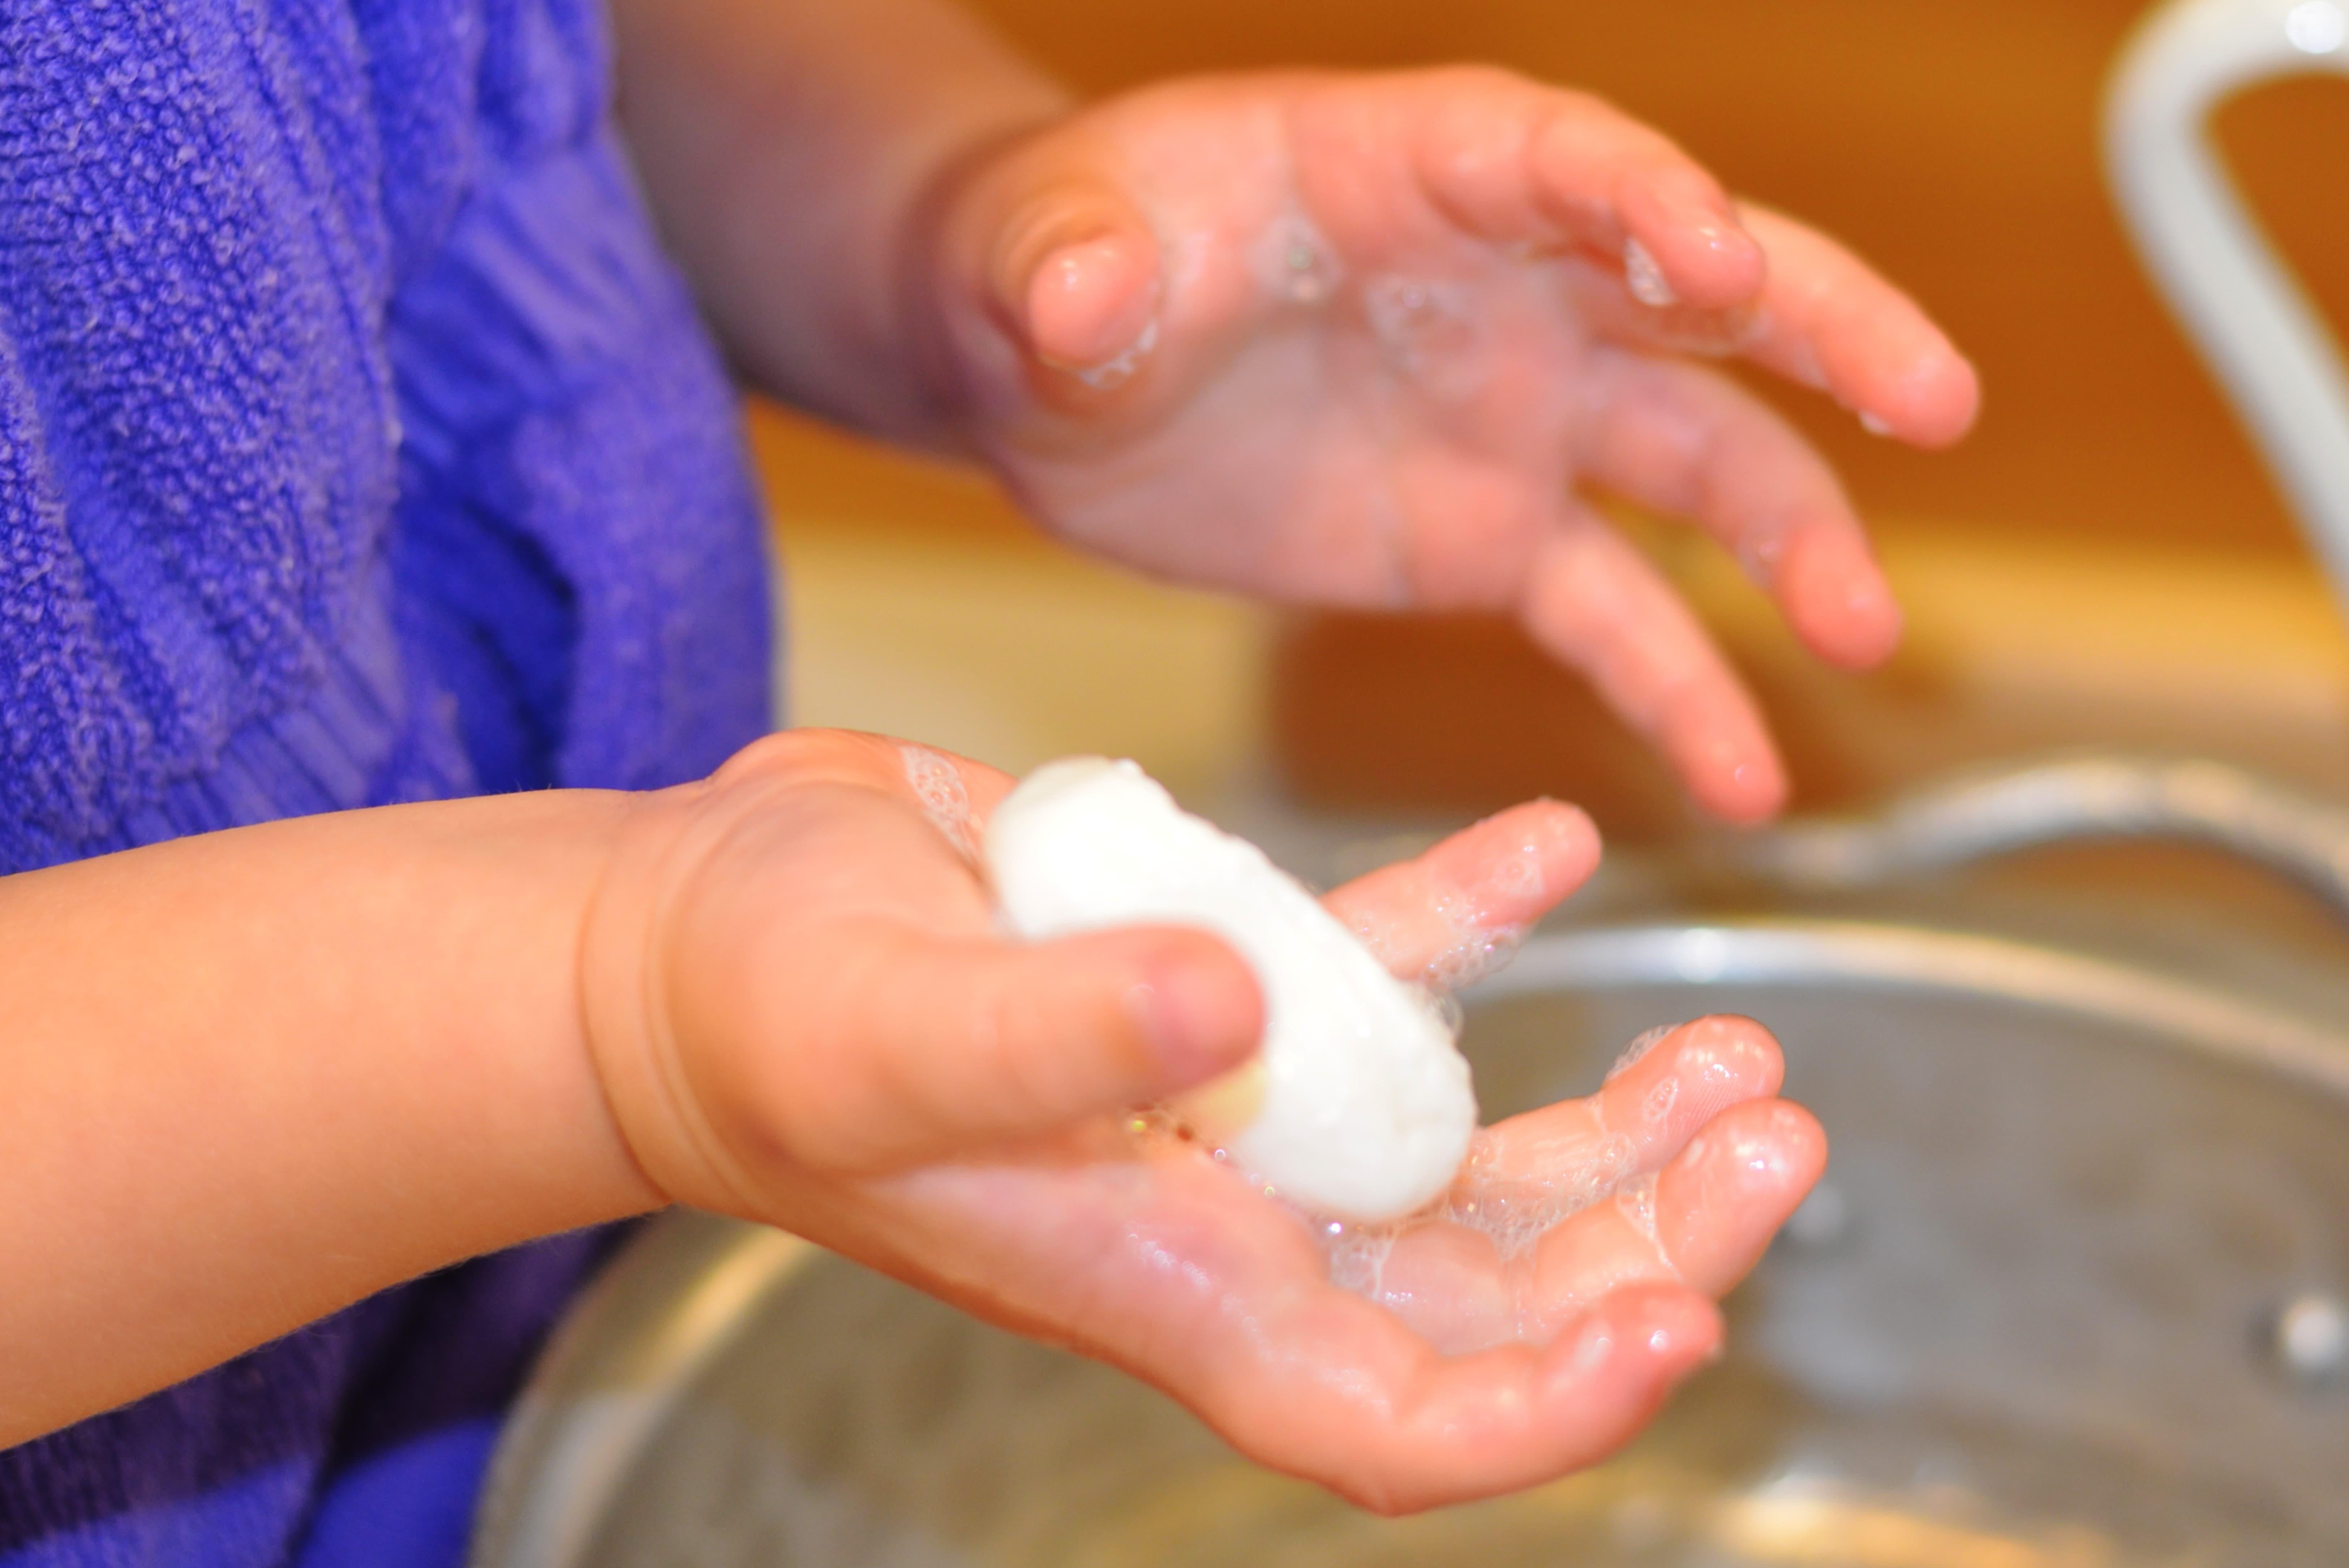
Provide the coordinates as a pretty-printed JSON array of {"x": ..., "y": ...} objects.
[{"x": 787, "y": 753}]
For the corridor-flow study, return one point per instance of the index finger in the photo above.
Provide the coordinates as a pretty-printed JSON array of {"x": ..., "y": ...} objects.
[{"x": 1826, "y": 320}]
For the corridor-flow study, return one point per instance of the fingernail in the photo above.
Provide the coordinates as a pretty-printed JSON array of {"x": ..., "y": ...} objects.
[
  {"x": 1092, "y": 309},
  {"x": 1197, "y": 1022}
]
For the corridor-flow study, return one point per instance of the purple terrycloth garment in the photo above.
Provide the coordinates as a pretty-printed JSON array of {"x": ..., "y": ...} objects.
[{"x": 357, "y": 445}]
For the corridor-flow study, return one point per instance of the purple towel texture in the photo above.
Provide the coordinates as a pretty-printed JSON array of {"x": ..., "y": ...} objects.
[{"x": 358, "y": 445}]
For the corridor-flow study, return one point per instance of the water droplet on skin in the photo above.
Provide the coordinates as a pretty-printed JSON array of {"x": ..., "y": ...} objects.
[
  {"x": 1759, "y": 555},
  {"x": 1710, "y": 1064},
  {"x": 1759, "y": 1154},
  {"x": 1423, "y": 328},
  {"x": 1644, "y": 276},
  {"x": 1520, "y": 876},
  {"x": 1662, "y": 1098},
  {"x": 1356, "y": 1257},
  {"x": 1592, "y": 1349},
  {"x": 1294, "y": 262}
]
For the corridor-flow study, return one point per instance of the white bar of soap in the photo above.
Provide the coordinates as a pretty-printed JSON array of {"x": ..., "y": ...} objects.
[{"x": 1358, "y": 1106}]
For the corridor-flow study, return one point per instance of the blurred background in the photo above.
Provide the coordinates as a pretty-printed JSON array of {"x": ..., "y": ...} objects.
[{"x": 2103, "y": 563}]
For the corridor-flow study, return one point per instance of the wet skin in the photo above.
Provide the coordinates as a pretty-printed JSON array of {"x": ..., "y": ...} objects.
[
  {"x": 873, "y": 1067},
  {"x": 1368, "y": 340}
]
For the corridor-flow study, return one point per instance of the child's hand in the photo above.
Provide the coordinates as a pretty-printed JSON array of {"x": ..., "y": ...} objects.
[
  {"x": 803, "y": 1013},
  {"x": 1357, "y": 340}
]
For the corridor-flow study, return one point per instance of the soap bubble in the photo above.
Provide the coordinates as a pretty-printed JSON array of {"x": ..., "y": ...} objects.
[
  {"x": 1638, "y": 1048},
  {"x": 1295, "y": 262}
]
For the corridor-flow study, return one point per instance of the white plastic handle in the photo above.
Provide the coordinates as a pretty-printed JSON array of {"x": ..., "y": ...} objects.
[{"x": 2266, "y": 344}]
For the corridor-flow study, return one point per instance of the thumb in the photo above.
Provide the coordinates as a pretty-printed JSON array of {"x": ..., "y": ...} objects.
[
  {"x": 1075, "y": 272},
  {"x": 984, "y": 1043}
]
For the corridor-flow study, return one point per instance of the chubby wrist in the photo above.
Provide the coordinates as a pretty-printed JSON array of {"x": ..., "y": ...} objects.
[{"x": 662, "y": 968}]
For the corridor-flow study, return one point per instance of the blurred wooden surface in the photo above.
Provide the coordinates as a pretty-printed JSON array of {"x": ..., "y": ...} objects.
[
  {"x": 2103, "y": 563},
  {"x": 2016, "y": 647}
]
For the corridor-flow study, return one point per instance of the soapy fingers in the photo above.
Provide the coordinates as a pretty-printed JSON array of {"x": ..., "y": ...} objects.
[
  {"x": 828, "y": 1032},
  {"x": 1524, "y": 165},
  {"x": 1702, "y": 1220},
  {"x": 1679, "y": 1171},
  {"x": 1825, "y": 320},
  {"x": 826, "y": 995},
  {"x": 1361, "y": 339},
  {"x": 1193, "y": 1281},
  {"x": 1450, "y": 916}
]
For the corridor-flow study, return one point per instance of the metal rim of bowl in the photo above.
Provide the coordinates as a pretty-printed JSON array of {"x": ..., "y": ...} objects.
[{"x": 680, "y": 1293}]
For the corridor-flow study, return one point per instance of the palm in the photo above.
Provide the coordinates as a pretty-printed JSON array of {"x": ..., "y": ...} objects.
[
  {"x": 1381, "y": 343},
  {"x": 1352, "y": 402},
  {"x": 1150, "y": 1253},
  {"x": 1143, "y": 1249}
]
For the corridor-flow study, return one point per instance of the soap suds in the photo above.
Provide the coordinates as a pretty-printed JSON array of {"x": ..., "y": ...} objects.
[
  {"x": 1636, "y": 1202},
  {"x": 1358, "y": 1105},
  {"x": 1426, "y": 330},
  {"x": 1644, "y": 276},
  {"x": 1478, "y": 954},
  {"x": 1513, "y": 1211},
  {"x": 945, "y": 800},
  {"x": 1114, "y": 373},
  {"x": 1634, "y": 1053},
  {"x": 1294, "y": 262}
]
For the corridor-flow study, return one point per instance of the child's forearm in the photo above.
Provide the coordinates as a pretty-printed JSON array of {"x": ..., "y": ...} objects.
[
  {"x": 788, "y": 147},
  {"x": 248, "y": 1078}
]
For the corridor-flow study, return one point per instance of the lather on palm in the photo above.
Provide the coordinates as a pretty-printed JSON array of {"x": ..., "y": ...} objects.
[{"x": 803, "y": 1014}]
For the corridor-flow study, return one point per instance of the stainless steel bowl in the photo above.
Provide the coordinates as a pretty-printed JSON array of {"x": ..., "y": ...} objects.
[{"x": 2072, "y": 1293}]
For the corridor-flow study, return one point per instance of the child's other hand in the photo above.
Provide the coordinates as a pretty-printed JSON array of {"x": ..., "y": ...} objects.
[
  {"x": 803, "y": 1013},
  {"x": 1359, "y": 339}
]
